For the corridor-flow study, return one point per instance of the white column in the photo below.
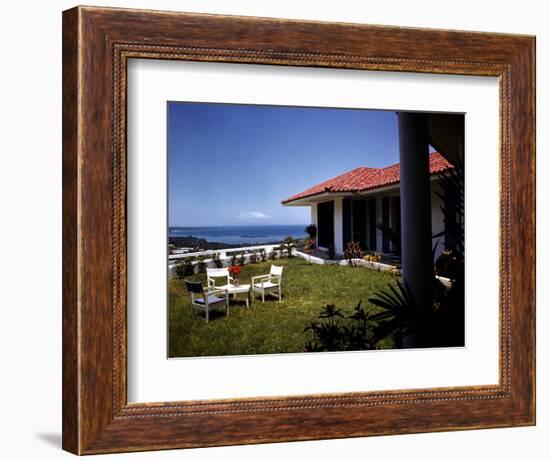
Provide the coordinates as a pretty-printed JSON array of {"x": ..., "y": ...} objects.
[
  {"x": 313, "y": 209},
  {"x": 338, "y": 231}
]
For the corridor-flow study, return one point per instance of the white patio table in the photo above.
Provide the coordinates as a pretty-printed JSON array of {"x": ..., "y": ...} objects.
[{"x": 234, "y": 290}]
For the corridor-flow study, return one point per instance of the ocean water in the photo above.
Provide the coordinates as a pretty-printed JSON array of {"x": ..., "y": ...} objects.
[{"x": 242, "y": 234}]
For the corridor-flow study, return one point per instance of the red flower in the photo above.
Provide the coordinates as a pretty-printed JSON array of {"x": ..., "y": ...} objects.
[{"x": 234, "y": 270}]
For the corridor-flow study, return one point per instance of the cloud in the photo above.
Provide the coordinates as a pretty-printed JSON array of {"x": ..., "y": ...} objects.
[{"x": 253, "y": 215}]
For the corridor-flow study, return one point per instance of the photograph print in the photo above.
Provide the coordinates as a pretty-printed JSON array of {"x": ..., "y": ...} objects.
[{"x": 312, "y": 229}]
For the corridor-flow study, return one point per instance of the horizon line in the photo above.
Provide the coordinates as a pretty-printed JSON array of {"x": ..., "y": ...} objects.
[{"x": 238, "y": 225}]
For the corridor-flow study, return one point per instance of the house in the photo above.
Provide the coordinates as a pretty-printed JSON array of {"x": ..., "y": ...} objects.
[{"x": 353, "y": 206}]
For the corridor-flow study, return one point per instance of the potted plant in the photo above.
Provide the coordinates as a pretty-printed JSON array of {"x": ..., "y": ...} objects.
[
  {"x": 308, "y": 249},
  {"x": 235, "y": 271},
  {"x": 311, "y": 230}
]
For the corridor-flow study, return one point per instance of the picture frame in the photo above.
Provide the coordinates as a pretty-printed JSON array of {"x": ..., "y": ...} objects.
[{"x": 97, "y": 44}]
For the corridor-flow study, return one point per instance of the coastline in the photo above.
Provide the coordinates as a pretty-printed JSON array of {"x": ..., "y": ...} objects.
[
  {"x": 197, "y": 243},
  {"x": 232, "y": 236}
]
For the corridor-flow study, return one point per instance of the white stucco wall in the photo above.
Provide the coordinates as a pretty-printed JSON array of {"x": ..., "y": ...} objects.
[
  {"x": 437, "y": 220},
  {"x": 313, "y": 211}
]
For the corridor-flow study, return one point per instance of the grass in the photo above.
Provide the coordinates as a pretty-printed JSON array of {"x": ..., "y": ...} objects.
[{"x": 271, "y": 327}]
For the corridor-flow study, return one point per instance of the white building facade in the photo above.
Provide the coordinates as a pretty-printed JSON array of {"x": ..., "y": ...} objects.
[{"x": 364, "y": 206}]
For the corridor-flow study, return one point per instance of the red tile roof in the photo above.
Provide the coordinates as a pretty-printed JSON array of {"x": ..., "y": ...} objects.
[{"x": 364, "y": 178}]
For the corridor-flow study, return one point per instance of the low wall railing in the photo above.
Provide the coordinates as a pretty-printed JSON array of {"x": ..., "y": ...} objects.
[
  {"x": 222, "y": 253},
  {"x": 246, "y": 252},
  {"x": 225, "y": 256}
]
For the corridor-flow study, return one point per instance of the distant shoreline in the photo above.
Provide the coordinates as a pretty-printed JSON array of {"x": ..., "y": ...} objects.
[
  {"x": 238, "y": 225},
  {"x": 201, "y": 244},
  {"x": 233, "y": 236}
]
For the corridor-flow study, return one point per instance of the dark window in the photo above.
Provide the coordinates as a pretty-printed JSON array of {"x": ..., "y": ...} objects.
[
  {"x": 385, "y": 223},
  {"x": 396, "y": 223},
  {"x": 359, "y": 222},
  {"x": 325, "y": 224},
  {"x": 372, "y": 224}
]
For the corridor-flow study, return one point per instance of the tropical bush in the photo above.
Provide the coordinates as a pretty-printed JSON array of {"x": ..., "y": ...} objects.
[
  {"x": 440, "y": 324},
  {"x": 184, "y": 268},
  {"x": 447, "y": 265},
  {"x": 288, "y": 246},
  {"x": 308, "y": 246},
  {"x": 332, "y": 331},
  {"x": 352, "y": 253},
  {"x": 311, "y": 230},
  {"x": 373, "y": 257},
  {"x": 201, "y": 265}
]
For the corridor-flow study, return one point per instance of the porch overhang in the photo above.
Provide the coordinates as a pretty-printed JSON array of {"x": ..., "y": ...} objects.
[
  {"x": 325, "y": 196},
  {"x": 362, "y": 181}
]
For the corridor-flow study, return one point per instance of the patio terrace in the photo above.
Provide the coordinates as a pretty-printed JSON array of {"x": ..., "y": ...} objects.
[{"x": 271, "y": 327}]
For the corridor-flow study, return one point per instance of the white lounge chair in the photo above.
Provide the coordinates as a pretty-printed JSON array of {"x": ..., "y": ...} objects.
[
  {"x": 202, "y": 299},
  {"x": 268, "y": 283},
  {"x": 214, "y": 275},
  {"x": 228, "y": 283}
]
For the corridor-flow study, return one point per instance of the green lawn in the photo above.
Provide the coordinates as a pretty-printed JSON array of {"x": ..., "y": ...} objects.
[{"x": 271, "y": 327}]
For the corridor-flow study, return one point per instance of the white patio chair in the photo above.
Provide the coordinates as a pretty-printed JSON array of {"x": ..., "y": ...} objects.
[
  {"x": 202, "y": 299},
  {"x": 214, "y": 275},
  {"x": 268, "y": 283}
]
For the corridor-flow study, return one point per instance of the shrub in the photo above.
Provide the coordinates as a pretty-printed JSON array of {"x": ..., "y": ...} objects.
[
  {"x": 184, "y": 268},
  {"x": 234, "y": 259},
  {"x": 201, "y": 265},
  {"x": 332, "y": 331},
  {"x": 273, "y": 254},
  {"x": 352, "y": 253},
  {"x": 241, "y": 260},
  {"x": 263, "y": 255},
  {"x": 412, "y": 325},
  {"x": 311, "y": 230},
  {"x": 328, "y": 331},
  {"x": 308, "y": 248},
  {"x": 288, "y": 246},
  {"x": 217, "y": 261},
  {"x": 373, "y": 257},
  {"x": 179, "y": 271},
  {"x": 447, "y": 265},
  {"x": 253, "y": 258}
]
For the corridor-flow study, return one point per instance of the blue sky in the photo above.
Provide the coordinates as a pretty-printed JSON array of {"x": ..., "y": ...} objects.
[{"x": 232, "y": 164}]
